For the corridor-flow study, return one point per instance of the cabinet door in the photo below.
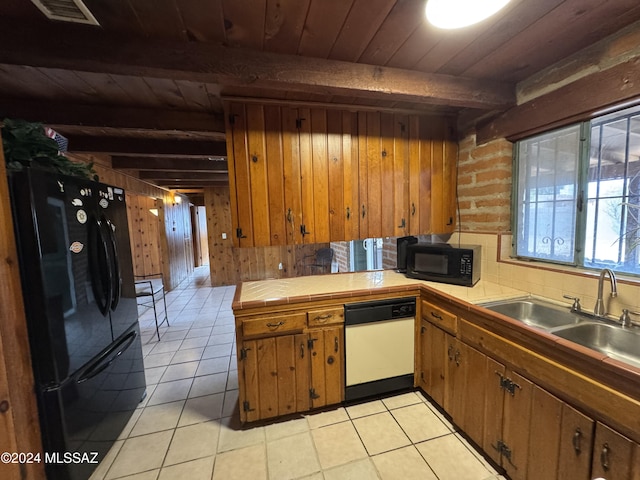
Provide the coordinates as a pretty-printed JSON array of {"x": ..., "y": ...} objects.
[
  {"x": 239, "y": 180},
  {"x": 615, "y": 457},
  {"x": 545, "y": 434},
  {"x": 576, "y": 445},
  {"x": 469, "y": 385},
  {"x": 493, "y": 409},
  {"x": 275, "y": 377},
  {"x": 434, "y": 361},
  {"x": 327, "y": 370},
  {"x": 515, "y": 431},
  {"x": 432, "y": 171},
  {"x": 291, "y": 175}
]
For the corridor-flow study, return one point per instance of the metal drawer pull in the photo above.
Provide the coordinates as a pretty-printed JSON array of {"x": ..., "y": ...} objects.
[
  {"x": 275, "y": 325},
  {"x": 604, "y": 457},
  {"x": 577, "y": 437},
  {"x": 302, "y": 350},
  {"x": 323, "y": 318},
  {"x": 336, "y": 344},
  {"x": 435, "y": 315}
]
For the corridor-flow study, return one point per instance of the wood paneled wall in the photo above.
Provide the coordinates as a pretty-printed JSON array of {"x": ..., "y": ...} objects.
[
  {"x": 229, "y": 265},
  {"x": 19, "y": 426},
  {"x": 144, "y": 230},
  {"x": 158, "y": 244}
]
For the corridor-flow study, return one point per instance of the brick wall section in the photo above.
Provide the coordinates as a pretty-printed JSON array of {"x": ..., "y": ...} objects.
[
  {"x": 484, "y": 184},
  {"x": 341, "y": 255}
]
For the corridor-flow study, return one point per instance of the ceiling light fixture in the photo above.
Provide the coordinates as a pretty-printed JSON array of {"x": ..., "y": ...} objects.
[{"x": 452, "y": 14}]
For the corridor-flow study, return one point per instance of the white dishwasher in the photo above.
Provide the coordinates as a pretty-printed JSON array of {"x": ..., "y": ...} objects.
[{"x": 379, "y": 347}]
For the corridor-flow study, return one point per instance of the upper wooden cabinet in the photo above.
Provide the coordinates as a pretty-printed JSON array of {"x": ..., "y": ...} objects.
[{"x": 315, "y": 175}]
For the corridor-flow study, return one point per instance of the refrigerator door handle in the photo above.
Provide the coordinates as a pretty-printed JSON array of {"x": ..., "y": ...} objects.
[
  {"x": 101, "y": 280},
  {"x": 107, "y": 358},
  {"x": 116, "y": 281}
]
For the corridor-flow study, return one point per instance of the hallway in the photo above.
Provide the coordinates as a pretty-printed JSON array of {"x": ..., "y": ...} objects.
[{"x": 187, "y": 426}]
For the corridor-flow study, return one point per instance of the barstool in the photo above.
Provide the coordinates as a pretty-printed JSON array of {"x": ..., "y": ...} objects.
[{"x": 152, "y": 285}]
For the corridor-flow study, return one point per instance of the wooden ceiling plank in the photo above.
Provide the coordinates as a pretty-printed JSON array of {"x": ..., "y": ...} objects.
[
  {"x": 568, "y": 28},
  {"x": 77, "y": 87},
  {"x": 520, "y": 16},
  {"x": 453, "y": 41},
  {"x": 128, "y": 146},
  {"x": 30, "y": 80},
  {"x": 203, "y": 21},
  {"x": 9, "y": 84},
  {"x": 195, "y": 95},
  {"x": 284, "y": 22},
  {"x": 159, "y": 19},
  {"x": 168, "y": 164},
  {"x": 137, "y": 89},
  {"x": 423, "y": 39},
  {"x": 323, "y": 24},
  {"x": 115, "y": 16},
  {"x": 402, "y": 21},
  {"x": 106, "y": 89},
  {"x": 166, "y": 90},
  {"x": 361, "y": 25},
  {"x": 242, "y": 28}
]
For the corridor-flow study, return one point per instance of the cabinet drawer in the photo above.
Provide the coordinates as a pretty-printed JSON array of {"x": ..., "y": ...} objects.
[
  {"x": 274, "y": 325},
  {"x": 439, "y": 317},
  {"x": 327, "y": 316}
]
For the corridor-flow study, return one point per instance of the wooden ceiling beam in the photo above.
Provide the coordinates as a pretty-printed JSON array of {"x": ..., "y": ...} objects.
[
  {"x": 91, "y": 51},
  {"x": 575, "y": 102},
  {"x": 179, "y": 176},
  {"x": 156, "y": 147},
  {"x": 59, "y": 114},
  {"x": 181, "y": 184},
  {"x": 184, "y": 164}
]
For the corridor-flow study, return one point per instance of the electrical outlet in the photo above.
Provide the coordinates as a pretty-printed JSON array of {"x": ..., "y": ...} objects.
[
  {"x": 224, "y": 236},
  {"x": 280, "y": 266}
]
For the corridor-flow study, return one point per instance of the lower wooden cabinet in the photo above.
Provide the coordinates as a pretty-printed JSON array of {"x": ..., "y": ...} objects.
[
  {"x": 520, "y": 425},
  {"x": 275, "y": 376},
  {"x": 297, "y": 368},
  {"x": 615, "y": 457},
  {"x": 326, "y": 350}
]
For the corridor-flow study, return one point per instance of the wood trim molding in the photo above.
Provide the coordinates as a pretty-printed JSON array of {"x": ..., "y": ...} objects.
[{"x": 572, "y": 103}]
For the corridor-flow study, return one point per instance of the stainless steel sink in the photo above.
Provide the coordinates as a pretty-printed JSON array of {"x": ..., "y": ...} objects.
[
  {"x": 610, "y": 339},
  {"x": 535, "y": 313},
  {"x": 614, "y": 341}
]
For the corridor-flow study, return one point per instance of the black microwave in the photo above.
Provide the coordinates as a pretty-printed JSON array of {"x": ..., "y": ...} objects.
[{"x": 441, "y": 262}]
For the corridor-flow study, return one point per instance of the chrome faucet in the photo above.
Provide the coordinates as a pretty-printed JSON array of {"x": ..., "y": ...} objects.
[{"x": 599, "y": 310}]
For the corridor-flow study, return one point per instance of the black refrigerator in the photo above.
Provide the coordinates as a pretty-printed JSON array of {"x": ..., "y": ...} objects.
[{"x": 79, "y": 295}]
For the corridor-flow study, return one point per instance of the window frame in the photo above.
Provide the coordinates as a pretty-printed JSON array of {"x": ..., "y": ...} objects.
[{"x": 581, "y": 214}]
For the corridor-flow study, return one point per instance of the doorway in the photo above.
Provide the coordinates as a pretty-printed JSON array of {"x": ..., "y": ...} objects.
[{"x": 200, "y": 236}]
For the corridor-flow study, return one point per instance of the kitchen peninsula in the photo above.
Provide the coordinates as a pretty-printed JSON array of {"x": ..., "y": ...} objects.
[{"x": 514, "y": 390}]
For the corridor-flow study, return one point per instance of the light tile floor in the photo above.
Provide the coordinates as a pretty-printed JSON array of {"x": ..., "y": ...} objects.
[{"x": 187, "y": 426}]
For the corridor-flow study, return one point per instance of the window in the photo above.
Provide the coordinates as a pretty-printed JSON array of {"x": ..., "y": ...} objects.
[{"x": 577, "y": 194}]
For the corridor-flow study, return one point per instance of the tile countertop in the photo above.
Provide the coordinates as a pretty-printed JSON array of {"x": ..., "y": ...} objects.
[{"x": 344, "y": 285}]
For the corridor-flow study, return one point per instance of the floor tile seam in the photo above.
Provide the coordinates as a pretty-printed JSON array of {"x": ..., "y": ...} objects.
[
  {"x": 451, "y": 432},
  {"x": 481, "y": 458},
  {"x": 315, "y": 451},
  {"x": 425, "y": 460},
  {"x": 165, "y": 465},
  {"x": 151, "y": 433}
]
